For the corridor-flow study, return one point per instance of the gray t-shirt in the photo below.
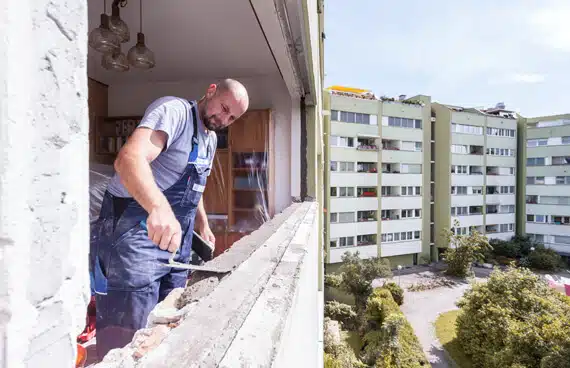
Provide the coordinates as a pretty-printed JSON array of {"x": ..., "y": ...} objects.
[{"x": 173, "y": 116}]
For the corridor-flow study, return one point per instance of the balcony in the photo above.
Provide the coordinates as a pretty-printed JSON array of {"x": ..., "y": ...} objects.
[
  {"x": 532, "y": 199},
  {"x": 366, "y": 192},
  {"x": 364, "y": 240},
  {"x": 476, "y": 150},
  {"x": 367, "y": 167},
  {"x": 475, "y": 170},
  {"x": 268, "y": 293},
  {"x": 390, "y": 145},
  {"x": 492, "y": 229},
  {"x": 366, "y": 144},
  {"x": 366, "y": 216},
  {"x": 390, "y": 215}
]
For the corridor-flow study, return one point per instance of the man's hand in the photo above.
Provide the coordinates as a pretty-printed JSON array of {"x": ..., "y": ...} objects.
[
  {"x": 207, "y": 234},
  {"x": 163, "y": 228}
]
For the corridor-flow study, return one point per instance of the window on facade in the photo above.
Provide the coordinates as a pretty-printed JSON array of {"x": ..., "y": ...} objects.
[
  {"x": 459, "y": 149},
  {"x": 477, "y": 190},
  {"x": 337, "y": 141},
  {"x": 346, "y": 241},
  {"x": 535, "y": 161},
  {"x": 563, "y": 180},
  {"x": 500, "y": 152},
  {"x": 507, "y": 208},
  {"x": 458, "y": 190},
  {"x": 404, "y": 122},
  {"x": 334, "y": 166},
  {"x": 458, "y": 169},
  {"x": 466, "y": 129},
  {"x": 411, "y": 168},
  {"x": 334, "y": 243},
  {"x": 333, "y": 192},
  {"x": 334, "y": 217},
  {"x": 561, "y": 160},
  {"x": 350, "y": 117},
  {"x": 410, "y": 191},
  {"x": 505, "y": 228},
  {"x": 500, "y": 132},
  {"x": 346, "y": 191},
  {"x": 537, "y": 142},
  {"x": 411, "y": 146}
]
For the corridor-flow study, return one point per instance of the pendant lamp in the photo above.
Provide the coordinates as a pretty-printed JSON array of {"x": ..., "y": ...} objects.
[
  {"x": 116, "y": 24},
  {"x": 101, "y": 38},
  {"x": 139, "y": 55},
  {"x": 116, "y": 61}
]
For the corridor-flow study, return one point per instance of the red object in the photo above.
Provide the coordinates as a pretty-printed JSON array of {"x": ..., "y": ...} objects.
[
  {"x": 89, "y": 331},
  {"x": 567, "y": 289}
]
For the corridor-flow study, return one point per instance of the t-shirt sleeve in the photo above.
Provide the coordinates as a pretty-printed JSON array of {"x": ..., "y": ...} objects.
[
  {"x": 167, "y": 115},
  {"x": 214, "y": 143}
]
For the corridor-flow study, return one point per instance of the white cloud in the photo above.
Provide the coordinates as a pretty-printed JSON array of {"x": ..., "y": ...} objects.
[{"x": 527, "y": 78}]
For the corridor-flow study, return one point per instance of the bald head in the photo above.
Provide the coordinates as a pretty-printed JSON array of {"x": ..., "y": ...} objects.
[{"x": 223, "y": 104}]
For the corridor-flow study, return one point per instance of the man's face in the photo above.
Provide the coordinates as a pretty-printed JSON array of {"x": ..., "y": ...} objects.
[{"x": 220, "y": 109}]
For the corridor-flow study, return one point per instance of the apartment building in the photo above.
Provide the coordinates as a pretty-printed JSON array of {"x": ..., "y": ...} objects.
[
  {"x": 474, "y": 163},
  {"x": 378, "y": 179},
  {"x": 544, "y": 164}
]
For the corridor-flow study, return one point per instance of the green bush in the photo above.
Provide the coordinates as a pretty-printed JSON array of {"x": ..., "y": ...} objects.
[
  {"x": 337, "y": 353},
  {"x": 396, "y": 291},
  {"x": 342, "y": 313},
  {"x": 514, "y": 320},
  {"x": 390, "y": 341},
  {"x": 503, "y": 248},
  {"x": 544, "y": 259}
]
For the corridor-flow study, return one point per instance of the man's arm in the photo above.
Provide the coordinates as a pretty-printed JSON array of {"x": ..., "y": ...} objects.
[{"x": 133, "y": 166}]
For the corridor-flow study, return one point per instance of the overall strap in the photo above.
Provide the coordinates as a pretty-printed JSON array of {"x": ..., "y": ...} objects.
[{"x": 194, "y": 152}]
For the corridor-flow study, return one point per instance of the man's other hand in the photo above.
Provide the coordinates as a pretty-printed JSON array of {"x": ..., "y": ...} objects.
[
  {"x": 164, "y": 229},
  {"x": 207, "y": 234}
]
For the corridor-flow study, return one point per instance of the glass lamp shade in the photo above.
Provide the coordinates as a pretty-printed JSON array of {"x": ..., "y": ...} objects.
[
  {"x": 118, "y": 26},
  {"x": 116, "y": 61},
  {"x": 102, "y": 39},
  {"x": 140, "y": 56}
]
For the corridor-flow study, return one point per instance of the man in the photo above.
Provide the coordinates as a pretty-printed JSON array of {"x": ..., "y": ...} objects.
[{"x": 150, "y": 206}]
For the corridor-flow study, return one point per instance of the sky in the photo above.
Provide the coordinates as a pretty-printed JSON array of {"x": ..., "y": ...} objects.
[{"x": 467, "y": 53}]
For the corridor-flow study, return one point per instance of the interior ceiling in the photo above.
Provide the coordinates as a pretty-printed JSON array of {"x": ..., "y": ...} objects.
[{"x": 190, "y": 39}]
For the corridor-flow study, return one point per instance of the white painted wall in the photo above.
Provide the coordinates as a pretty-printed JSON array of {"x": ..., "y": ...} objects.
[
  {"x": 533, "y": 228},
  {"x": 398, "y": 180},
  {"x": 470, "y": 220},
  {"x": 353, "y": 229},
  {"x": 466, "y": 180},
  {"x": 44, "y": 234},
  {"x": 501, "y": 180},
  {"x": 501, "y": 199},
  {"x": 500, "y": 218},
  {"x": 404, "y": 202},
  {"x": 354, "y": 204},
  {"x": 365, "y": 252},
  {"x": 264, "y": 92},
  {"x": 398, "y": 226},
  {"x": 467, "y": 200},
  {"x": 341, "y": 179},
  {"x": 548, "y": 209},
  {"x": 400, "y": 248}
]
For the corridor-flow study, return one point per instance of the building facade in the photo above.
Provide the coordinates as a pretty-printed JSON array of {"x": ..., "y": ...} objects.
[
  {"x": 544, "y": 164},
  {"x": 475, "y": 171},
  {"x": 378, "y": 176}
]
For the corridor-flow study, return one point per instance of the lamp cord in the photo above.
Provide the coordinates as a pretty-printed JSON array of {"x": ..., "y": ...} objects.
[{"x": 140, "y": 14}]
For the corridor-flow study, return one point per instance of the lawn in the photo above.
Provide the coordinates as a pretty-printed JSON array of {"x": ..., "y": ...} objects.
[{"x": 445, "y": 331}]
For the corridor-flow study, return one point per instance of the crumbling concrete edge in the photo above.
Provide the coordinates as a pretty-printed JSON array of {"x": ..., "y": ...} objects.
[
  {"x": 257, "y": 342},
  {"x": 203, "y": 338}
]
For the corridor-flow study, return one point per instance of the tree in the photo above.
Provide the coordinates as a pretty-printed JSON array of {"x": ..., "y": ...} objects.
[
  {"x": 356, "y": 276},
  {"x": 514, "y": 320},
  {"x": 463, "y": 251},
  {"x": 342, "y": 313}
]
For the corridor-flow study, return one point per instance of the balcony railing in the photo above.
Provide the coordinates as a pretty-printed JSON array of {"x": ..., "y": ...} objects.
[
  {"x": 248, "y": 311},
  {"x": 367, "y": 147}
]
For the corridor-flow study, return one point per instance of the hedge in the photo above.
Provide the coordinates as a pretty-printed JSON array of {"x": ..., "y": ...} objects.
[{"x": 390, "y": 341}]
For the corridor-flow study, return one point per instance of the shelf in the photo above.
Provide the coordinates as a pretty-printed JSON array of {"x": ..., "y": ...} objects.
[
  {"x": 250, "y": 190},
  {"x": 246, "y": 169},
  {"x": 245, "y": 210}
]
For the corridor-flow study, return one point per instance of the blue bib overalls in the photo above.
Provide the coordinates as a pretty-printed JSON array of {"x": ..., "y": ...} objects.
[{"x": 127, "y": 275}]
